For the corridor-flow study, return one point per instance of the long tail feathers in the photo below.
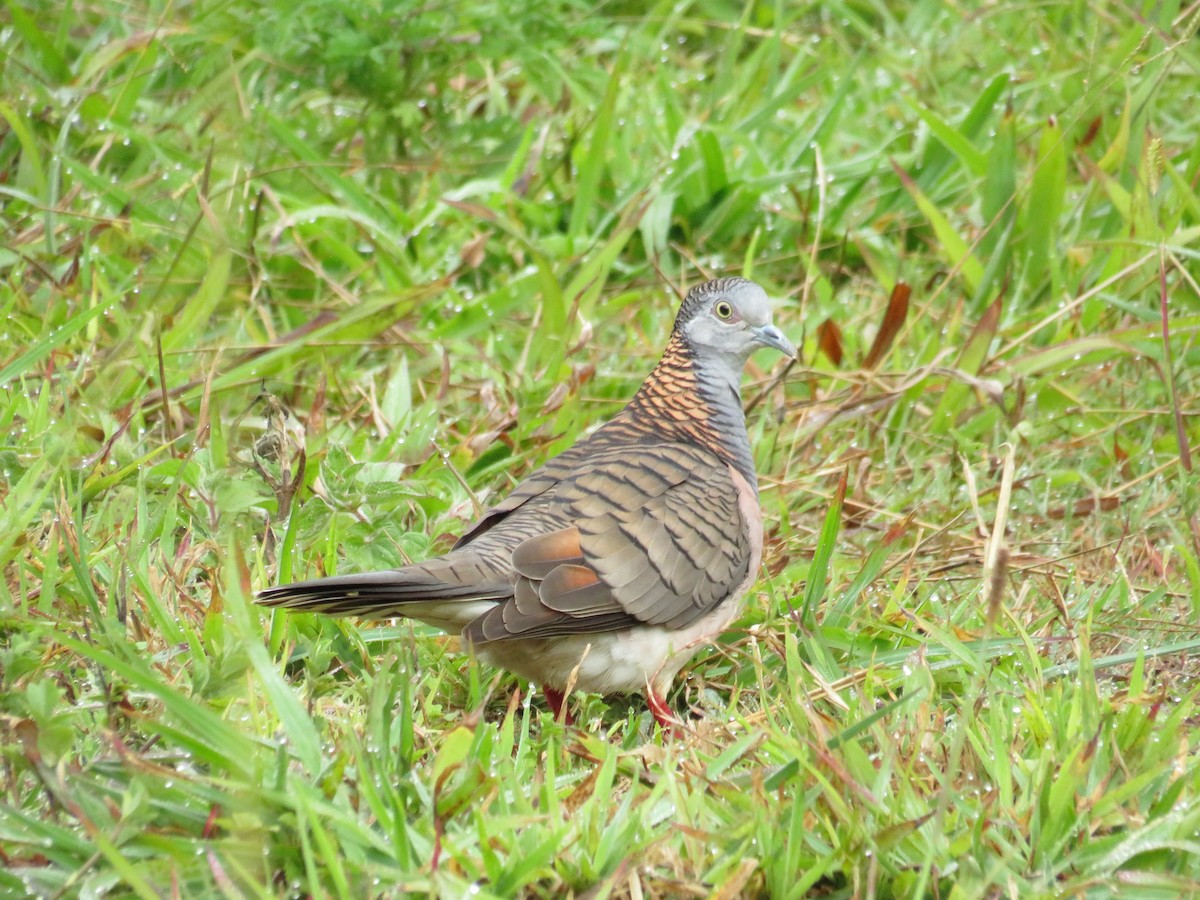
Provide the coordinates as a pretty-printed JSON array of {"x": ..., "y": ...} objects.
[{"x": 381, "y": 595}]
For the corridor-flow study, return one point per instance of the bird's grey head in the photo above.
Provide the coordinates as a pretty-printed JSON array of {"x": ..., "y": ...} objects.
[{"x": 727, "y": 320}]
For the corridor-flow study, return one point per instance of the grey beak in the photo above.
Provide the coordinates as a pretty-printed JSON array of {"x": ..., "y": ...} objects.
[{"x": 770, "y": 336}]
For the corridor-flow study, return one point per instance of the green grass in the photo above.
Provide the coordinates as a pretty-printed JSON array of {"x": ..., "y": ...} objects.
[{"x": 295, "y": 289}]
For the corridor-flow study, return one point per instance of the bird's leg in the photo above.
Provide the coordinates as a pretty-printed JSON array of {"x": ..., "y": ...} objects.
[
  {"x": 558, "y": 704},
  {"x": 663, "y": 714}
]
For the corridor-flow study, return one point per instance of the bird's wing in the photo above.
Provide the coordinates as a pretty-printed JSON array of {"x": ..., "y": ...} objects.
[
  {"x": 650, "y": 534},
  {"x": 536, "y": 485}
]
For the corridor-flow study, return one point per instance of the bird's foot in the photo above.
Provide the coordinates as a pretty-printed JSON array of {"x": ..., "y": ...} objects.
[
  {"x": 663, "y": 715},
  {"x": 558, "y": 705}
]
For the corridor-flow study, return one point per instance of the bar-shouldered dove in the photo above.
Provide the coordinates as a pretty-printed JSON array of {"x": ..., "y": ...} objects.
[{"x": 611, "y": 565}]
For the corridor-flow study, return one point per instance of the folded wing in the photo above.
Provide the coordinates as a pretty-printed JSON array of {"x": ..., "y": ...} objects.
[{"x": 654, "y": 536}]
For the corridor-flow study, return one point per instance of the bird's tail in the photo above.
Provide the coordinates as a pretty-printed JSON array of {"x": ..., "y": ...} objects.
[{"x": 438, "y": 592}]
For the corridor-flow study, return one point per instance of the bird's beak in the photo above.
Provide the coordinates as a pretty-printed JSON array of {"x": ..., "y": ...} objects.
[{"x": 770, "y": 336}]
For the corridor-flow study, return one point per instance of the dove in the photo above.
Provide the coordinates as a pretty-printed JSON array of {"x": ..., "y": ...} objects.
[{"x": 608, "y": 568}]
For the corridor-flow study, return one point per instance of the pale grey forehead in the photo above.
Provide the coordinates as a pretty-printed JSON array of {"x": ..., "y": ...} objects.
[{"x": 751, "y": 302}]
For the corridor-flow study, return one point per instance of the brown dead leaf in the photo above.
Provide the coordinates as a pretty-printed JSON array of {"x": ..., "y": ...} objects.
[
  {"x": 893, "y": 321},
  {"x": 1119, "y": 451},
  {"x": 483, "y": 440},
  {"x": 829, "y": 341},
  {"x": 585, "y": 335},
  {"x": 473, "y": 251},
  {"x": 1090, "y": 135},
  {"x": 315, "y": 424},
  {"x": 556, "y": 398},
  {"x": 897, "y": 530},
  {"x": 472, "y": 209},
  {"x": 1086, "y": 506},
  {"x": 582, "y": 792},
  {"x": 581, "y": 374}
]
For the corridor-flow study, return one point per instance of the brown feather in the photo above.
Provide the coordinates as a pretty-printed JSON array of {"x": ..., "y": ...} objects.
[{"x": 537, "y": 556}]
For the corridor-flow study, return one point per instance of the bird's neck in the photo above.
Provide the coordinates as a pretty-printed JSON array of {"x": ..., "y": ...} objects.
[{"x": 695, "y": 401}]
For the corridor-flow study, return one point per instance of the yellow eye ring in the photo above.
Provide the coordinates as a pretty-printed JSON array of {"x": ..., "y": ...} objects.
[{"x": 723, "y": 309}]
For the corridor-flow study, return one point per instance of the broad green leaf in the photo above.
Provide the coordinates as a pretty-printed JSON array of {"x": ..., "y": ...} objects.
[
  {"x": 950, "y": 243},
  {"x": 1043, "y": 210}
]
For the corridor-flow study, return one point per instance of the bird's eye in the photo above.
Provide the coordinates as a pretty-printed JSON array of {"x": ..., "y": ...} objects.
[{"x": 723, "y": 309}]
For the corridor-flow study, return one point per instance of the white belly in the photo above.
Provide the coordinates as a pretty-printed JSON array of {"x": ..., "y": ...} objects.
[{"x": 614, "y": 662}]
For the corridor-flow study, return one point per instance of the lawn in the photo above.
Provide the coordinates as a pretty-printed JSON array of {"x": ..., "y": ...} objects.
[{"x": 290, "y": 289}]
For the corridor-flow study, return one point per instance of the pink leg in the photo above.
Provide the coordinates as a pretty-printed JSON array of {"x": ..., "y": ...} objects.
[
  {"x": 663, "y": 714},
  {"x": 558, "y": 704}
]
